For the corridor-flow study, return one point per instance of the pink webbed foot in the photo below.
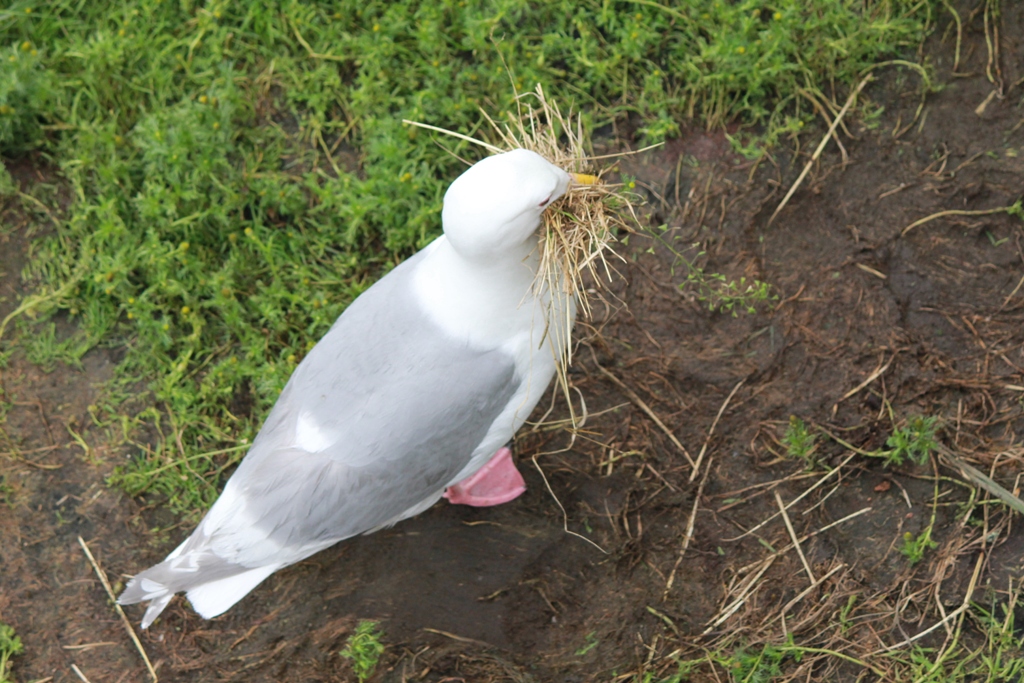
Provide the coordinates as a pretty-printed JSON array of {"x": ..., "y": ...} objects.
[{"x": 495, "y": 483}]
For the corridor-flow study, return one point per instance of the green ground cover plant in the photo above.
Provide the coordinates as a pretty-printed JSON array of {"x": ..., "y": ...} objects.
[
  {"x": 10, "y": 645},
  {"x": 226, "y": 177},
  {"x": 363, "y": 649}
]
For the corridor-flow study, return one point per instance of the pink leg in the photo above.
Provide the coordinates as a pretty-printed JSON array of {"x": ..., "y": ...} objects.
[{"x": 495, "y": 483}]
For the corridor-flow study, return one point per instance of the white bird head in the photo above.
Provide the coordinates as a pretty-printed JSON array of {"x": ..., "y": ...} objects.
[{"x": 495, "y": 206}]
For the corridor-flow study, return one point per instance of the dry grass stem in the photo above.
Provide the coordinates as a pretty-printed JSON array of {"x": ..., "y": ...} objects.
[
  {"x": 631, "y": 395},
  {"x": 565, "y": 515},
  {"x": 957, "y": 613},
  {"x": 803, "y": 594},
  {"x": 792, "y": 535},
  {"x": 954, "y": 212},
  {"x": 461, "y": 639},
  {"x": 78, "y": 672},
  {"x": 120, "y": 612},
  {"x": 689, "y": 530},
  {"x": 1013, "y": 293},
  {"x": 878, "y": 372},
  {"x": 748, "y": 587},
  {"x": 711, "y": 431},
  {"x": 979, "y": 479},
  {"x": 821, "y": 146},
  {"x": 797, "y": 499}
]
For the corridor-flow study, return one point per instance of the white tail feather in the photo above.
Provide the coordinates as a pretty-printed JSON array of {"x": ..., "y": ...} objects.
[{"x": 216, "y": 597}]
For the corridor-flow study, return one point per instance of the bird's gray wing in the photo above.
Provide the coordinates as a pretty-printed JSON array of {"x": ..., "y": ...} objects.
[{"x": 379, "y": 417}]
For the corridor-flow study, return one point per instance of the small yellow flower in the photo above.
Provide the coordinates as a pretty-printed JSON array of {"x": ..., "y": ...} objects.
[
  {"x": 741, "y": 50},
  {"x": 165, "y": 327},
  {"x": 203, "y": 99},
  {"x": 121, "y": 33},
  {"x": 216, "y": 14},
  {"x": 777, "y": 16},
  {"x": 28, "y": 10},
  {"x": 131, "y": 315},
  {"x": 26, "y": 46},
  {"x": 131, "y": 299},
  {"x": 406, "y": 177},
  {"x": 376, "y": 27},
  {"x": 183, "y": 246},
  {"x": 248, "y": 232},
  {"x": 216, "y": 125},
  {"x": 185, "y": 310}
]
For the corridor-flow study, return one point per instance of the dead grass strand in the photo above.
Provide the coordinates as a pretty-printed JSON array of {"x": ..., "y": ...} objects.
[
  {"x": 117, "y": 608},
  {"x": 821, "y": 146}
]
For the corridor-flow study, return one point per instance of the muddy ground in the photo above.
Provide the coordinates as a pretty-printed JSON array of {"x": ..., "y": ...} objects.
[{"x": 870, "y": 326}]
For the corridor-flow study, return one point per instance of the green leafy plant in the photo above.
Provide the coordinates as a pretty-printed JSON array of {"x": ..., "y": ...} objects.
[
  {"x": 799, "y": 441},
  {"x": 759, "y": 665},
  {"x": 844, "y": 614},
  {"x": 591, "y": 643},
  {"x": 10, "y": 645},
  {"x": 915, "y": 441},
  {"x": 914, "y": 547},
  {"x": 724, "y": 295},
  {"x": 364, "y": 649}
]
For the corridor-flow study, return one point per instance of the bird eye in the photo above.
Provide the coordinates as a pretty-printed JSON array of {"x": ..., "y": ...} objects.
[{"x": 545, "y": 202}]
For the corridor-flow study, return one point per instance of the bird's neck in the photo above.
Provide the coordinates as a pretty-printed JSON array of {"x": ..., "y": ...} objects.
[{"x": 482, "y": 301}]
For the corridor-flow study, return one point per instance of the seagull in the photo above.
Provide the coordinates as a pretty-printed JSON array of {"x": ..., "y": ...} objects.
[{"x": 411, "y": 396}]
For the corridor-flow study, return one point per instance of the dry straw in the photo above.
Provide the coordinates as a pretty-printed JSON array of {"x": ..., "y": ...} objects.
[{"x": 578, "y": 229}]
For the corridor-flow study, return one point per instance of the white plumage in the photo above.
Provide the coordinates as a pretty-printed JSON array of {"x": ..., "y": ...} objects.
[{"x": 415, "y": 388}]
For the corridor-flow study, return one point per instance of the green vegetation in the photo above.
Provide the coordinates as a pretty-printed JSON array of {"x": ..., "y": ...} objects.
[
  {"x": 755, "y": 666},
  {"x": 10, "y": 645},
  {"x": 914, "y": 547},
  {"x": 724, "y": 295},
  {"x": 799, "y": 442},
  {"x": 225, "y": 177},
  {"x": 364, "y": 649},
  {"x": 591, "y": 643},
  {"x": 915, "y": 442},
  {"x": 995, "y": 655},
  {"x": 715, "y": 290}
]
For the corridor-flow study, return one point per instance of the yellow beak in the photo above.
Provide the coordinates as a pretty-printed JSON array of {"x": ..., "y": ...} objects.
[{"x": 584, "y": 179}]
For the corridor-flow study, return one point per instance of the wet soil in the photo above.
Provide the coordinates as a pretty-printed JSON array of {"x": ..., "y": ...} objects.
[{"x": 872, "y": 324}]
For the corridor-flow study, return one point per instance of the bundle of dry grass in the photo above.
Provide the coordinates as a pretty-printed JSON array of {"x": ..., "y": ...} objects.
[{"x": 579, "y": 228}]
